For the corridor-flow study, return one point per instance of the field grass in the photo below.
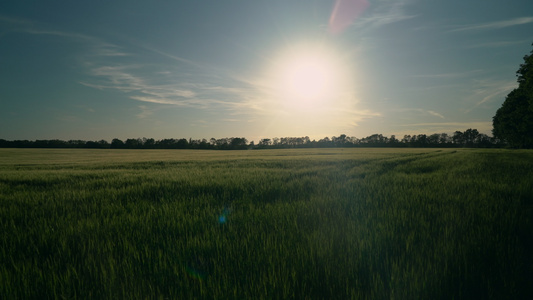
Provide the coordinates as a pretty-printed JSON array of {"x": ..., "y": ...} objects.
[{"x": 266, "y": 224}]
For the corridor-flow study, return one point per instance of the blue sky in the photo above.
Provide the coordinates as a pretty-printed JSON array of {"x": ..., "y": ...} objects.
[{"x": 170, "y": 69}]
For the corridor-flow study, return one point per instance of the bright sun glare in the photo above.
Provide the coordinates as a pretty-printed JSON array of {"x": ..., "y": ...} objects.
[{"x": 308, "y": 77}]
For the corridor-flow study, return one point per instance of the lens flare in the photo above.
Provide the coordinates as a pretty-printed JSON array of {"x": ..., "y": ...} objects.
[
  {"x": 223, "y": 217},
  {"x": 344, "y": 13},
  {"x": 194, "y": 273}
]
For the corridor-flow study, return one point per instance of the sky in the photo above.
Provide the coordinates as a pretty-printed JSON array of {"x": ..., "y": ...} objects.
[{"x": 94, "y": 70}]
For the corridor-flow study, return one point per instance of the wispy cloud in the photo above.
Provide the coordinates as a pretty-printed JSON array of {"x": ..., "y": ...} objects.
[
  {"x": 10, "y": 24},
  {"x": 423, "y": 112},
  {"x": 86, "y": 108},
  {"x": 497, "y": 44},
  {"x": 453, "y": 75},
  {"x": 137, "y": 80},
  {"x": 67, "y": 118},
  {"x": 361, "y": 113},
  {"x": 159, "y": 101},
  {"x": 176, "y": 89},
  {"x": 95, "y": 46},
  {"x": 486, "y": 90},
  {"x": 436, "y": 114},
  {"x": 168, "y": 88},
  {"x": 384, "y": 13},
  {"x": 494, "y": 25},
  {"x": 15, "y": 22},
  {"x": 145, "y": 112},
  {"x": 182, "y": 82},
  {"x": 348, "y": 118},
  {"x": 173, "y": 57}
]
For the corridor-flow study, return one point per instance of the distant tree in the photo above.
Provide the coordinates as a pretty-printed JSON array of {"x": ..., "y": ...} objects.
[
  {"x": 166, "y": 144},
  {"x": 148, "y": 143},
  {"x": 22, "y": 144},
  {"x": 513, "y": 121},
  {"x": 203, "y": 144},
  {"x": 413, "y": 140},
  {"x": 483, "y": 141},
  {"x": 406, "y": 139},
  {"x": 434, "y": 139},
  {"x": 264, "y": 143},
  {"x": 444, "y": 138},
  {"x": 470, "y": 137},
  {"x": 458, "y": 138},
  {"x": 238, "y": 143},
  {"x": 393, "y": 141},
  {"x": 133, "y": 143},
  {"x": 117, "y": 144},
  {"x": 76, "y": 143},
  {"x": 422, "y": 140},
  {"x": 353, "y": 140},
  {"x": 104, "y": 144},
  {"x": 182, "y": 144},
  {"x": 325, "y": 142},
  {"x": 92, "y": 144},
  {"x": 222, "y": 143},
  {"x": 339, "y": 141}
]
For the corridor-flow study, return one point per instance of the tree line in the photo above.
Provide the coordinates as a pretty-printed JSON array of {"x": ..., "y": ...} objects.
[{"x": 469, "y": 138}]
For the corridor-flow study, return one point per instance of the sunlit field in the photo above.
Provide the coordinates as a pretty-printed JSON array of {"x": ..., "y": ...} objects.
[{"x": 271, "y": 224}]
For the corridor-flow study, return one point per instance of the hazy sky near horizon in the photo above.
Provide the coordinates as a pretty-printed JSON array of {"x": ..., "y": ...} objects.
[{"x": 171, "y": 69}]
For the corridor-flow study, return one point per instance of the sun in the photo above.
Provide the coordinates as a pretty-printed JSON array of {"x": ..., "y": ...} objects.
[{"x": 308, "y": 77}]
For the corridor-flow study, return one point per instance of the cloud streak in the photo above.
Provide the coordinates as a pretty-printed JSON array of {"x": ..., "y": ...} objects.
[
  {"x": 424, "y": 112},
  {"x": 448, "y": 75},
  {"x": 145, "y": 112},
  {"x": 134, "y": 79},
  {"x": 494, "y": 25},
  {"x": 96, "y": 46},
  {"x": 497, "y": 44},
  {"x": 487, "y": 90},
  {"x": 387, "y": 12},
  {"x": 436, "y": 114},
  {"x": 177, "y": 90}
]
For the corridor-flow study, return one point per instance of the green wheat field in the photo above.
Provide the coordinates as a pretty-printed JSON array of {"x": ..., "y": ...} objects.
[{"x": 266, "y": 224}]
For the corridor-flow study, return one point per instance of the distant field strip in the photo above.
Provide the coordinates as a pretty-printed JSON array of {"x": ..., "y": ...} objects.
[{"x": 266, "y": 224}]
